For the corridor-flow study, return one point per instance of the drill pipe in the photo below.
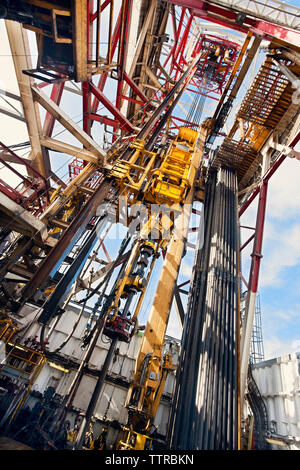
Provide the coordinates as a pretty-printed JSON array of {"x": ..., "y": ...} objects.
[{"x": 205, "y": 409}]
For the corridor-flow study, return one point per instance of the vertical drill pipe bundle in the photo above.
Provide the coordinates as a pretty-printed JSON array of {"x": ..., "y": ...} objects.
[{"x": 205, "y": 413}]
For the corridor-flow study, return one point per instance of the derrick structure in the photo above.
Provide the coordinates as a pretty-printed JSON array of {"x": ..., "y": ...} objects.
[{"x": 141, "y": 74}]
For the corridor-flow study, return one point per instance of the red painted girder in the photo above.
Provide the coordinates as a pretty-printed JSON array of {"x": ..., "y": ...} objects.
[
  {"x": 122, "y": 52},
  {"x": 104, "y": 120},
  {"x": 177, "y": 37},
  {"x": 86, "y": 105},
  {"x": 135, "y": 88},
  {"x": 185, "y": 38},
  {"x": 10, "y": 192},
  {"x": 125, "y": 124},
  {"x": 39, "y": 184},
  {"x": 104, "y": 5},
  {"x": 180, "y": 24},
  {"x": 132, "y": 100},
  {"x": 187, "y": 123},
  {"x": 22, "y": 162},
  {"x": 247, "y": 242},
  {"x": 257, "y": 249},
  {"x": 56, "y": 94}
]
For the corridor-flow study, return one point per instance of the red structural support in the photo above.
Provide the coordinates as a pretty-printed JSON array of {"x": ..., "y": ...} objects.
[
  {"x": 56, "y": 94},
  {"x": 35, "y": 188},
  {"x": 120, "y": 118},
  {"x": 258, "y": 238},
  {"x": 229, "y": 18},
  {"x": 104, "y": 76},
  {"x": 181, "y": 47},
  {"x": 104, "y": 120},
  {"x": 93, "y": 17},
  {"x": 135, "y": 88},
  {"x": 86, "y": 106}
]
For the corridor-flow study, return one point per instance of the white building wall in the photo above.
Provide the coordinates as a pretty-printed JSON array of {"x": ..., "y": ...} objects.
[
  {"x": 278, "y": 381},
  {"x": 112, "y": 399}
]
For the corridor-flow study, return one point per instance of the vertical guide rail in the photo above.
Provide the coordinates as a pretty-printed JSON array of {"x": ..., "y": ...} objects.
[{"x": 253, "y": 284}]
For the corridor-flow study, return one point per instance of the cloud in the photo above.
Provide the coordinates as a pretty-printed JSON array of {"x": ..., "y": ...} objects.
[
  {"x": 276, "y": 347},
  {"x": 186, "y": 268},
  {"x": 283, "y": 200},
  {"x": 281, "y": 247},
  {"x": 281, "y": 328}
]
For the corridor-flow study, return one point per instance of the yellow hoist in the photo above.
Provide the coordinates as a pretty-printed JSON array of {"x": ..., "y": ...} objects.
[{"x": 149, "y": 178}]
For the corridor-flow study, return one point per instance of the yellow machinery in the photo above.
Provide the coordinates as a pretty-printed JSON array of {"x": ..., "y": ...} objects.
[
  {"x": 92, "y": 443},
  {"x": 23, "y": 362},
  {"x": 164, "y": 178},
  {"x": 134, "y": 441},
  {"x": 173, "y": 179}
]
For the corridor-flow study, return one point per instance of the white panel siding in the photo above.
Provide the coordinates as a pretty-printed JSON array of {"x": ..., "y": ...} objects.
[
  {"x": 279, "y": 383},
  {"x": 122, "y": 366}
]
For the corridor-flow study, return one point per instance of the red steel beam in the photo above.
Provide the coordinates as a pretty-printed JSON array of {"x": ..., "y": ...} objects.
[
  {"x": 247, "y": 242},
  {"x": 229, "y": 18},
  {"x": 86, "y": 106},
  {"x": 86, "y": 95},
  {"x": 262, "y": 190},
  {"x": 257, "y": 249},
  {"x": 127, "y": 98},
  {"x": 103, "y": 6},
  {"x": 104, "y": 120},
  {"x": 56, "y": 94},
  {"x": 124, "y": 123},
  {"x": 39, "y": 185},
  {"x": 103, "y": 77},
  {"x": 183, "y": 41},
  {"x": 135, "y": 88},
  {"x": 186, "y": 123},
  {"x": 125, "y": 21}
]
